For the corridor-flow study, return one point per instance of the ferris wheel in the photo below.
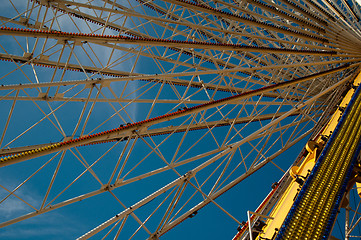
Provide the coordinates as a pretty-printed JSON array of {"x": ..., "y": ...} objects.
[{"x": 125, "y": 119}]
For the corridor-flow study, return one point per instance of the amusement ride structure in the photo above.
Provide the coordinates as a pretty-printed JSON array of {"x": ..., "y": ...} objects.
[{"x": 217, "y": 119}]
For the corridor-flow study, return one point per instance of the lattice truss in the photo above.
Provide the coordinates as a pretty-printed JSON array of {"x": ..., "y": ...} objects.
[{"x": 134, "y": 115}]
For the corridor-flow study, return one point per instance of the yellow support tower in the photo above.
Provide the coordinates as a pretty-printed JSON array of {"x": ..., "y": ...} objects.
[{"x": 314, "y": 210}]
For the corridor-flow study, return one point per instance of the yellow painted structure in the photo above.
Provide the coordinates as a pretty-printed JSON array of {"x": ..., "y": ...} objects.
[{"x": 301, "y": 172}]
